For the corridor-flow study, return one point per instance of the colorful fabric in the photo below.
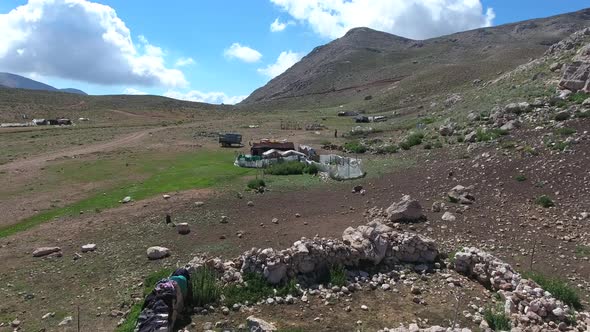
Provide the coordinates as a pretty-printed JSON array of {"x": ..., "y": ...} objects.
[{"x": 182, "y": 283}]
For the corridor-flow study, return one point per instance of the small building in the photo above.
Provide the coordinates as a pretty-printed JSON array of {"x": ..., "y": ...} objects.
[{"x": 258, "y": 149}]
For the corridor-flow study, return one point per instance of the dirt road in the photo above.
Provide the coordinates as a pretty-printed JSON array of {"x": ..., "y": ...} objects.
[{"x": 40, "y": 160}]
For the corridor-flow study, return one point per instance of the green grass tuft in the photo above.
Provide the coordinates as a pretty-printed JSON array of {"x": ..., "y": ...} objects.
[
  {"x": 338, "y": 275},
  {"x": 497, "y": 320},
  {"x": 255, "y": 288},
  {"x": 565, "y": 131},
  {"x": 355, "y": 147},
  {"x": 558, "y": 288},
  {"x": 545, "y": 201},
  {"x": 490, "y": 134},
  {"x": 291, "y": 168},
  {"x": 520, "y": 178},
  {"x": 412, "y": 140},
  {"x": 205, "y": 287},
  {"x": 256, "y": 184}
]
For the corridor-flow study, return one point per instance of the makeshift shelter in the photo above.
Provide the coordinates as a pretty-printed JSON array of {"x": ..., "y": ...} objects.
[
  {"x": 259, "y": 148},
  {"x": 340, "y": 168}
]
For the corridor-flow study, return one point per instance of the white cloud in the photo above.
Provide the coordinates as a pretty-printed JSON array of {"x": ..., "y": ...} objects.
[
  {"x": 80, "y": 40},
  {"x": 418, "y": 19},
  {"x": 205, "y": 97},
  {"x": 135, "y": 92},
  {"x": 244, "y": 53},
  {"x": 278, "y": 26},
  {"x": 284, "y": 62},
  {"x": 182, "y": 62}
]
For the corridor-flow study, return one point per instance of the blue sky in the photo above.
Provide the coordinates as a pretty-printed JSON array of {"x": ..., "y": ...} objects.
[{"x": 72, "y": 51}]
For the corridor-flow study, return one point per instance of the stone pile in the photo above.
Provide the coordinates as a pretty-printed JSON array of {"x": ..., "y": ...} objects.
[
  {"x": 526, "y": 302},
  {"x": 374, "y": 243}
]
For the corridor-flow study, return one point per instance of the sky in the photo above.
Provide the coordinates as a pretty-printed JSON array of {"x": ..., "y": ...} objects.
[{"x": 215, "y": 51}]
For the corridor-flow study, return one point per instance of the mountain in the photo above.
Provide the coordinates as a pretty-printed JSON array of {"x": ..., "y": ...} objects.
[
  {"x": 378, "y": 69},
  {"x": 13, "y": 81}
]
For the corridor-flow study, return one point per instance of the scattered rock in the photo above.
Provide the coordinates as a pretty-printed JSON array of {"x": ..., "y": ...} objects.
[
  {"x": 66, "y": 321},
  {"x": 126, "y": 200},
  {"x": 250, "y": 203},
  {"x": 199, "y": 204},
  {"x": 224, "y": 219},
  {"x": 275, "y": 220},
  {"x": 183, "y": 228},
  {"x": 157, "y": 252},
  {"x": 15, "y": 323},
  {"x": 44, "y": 251},
  {"x": 448, "y": 216},
  {"x": 259, "y": 325},
  {"x": 88, "y": 247},
  {"x": 166, "y": 196},
  {"x": 406, "y": 210},
  {"x": 460, "y": 194}
]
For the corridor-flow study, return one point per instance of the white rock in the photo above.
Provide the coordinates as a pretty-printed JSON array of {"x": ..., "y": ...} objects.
[
  {"x": 183, "y": 228},
  {"x": 44, "y": 251},
  {"x": 157, "y": 252},
  {"x": 364, "y": 307},
  {"x": 66, "y": 321},
  {"x": 259, "y": 325},
  {"x": 448, "y": 216},
  {"x": 166, "y": 196},
  {"x": 89, "y": 247},
  {"x": 126, "y": 199}
]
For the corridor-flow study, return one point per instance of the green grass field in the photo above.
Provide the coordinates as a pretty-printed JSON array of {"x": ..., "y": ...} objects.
[{"x": 142, "y": 177}]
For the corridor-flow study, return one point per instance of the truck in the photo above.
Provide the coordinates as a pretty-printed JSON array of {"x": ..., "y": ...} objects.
[{"x": 230, "y": 139}]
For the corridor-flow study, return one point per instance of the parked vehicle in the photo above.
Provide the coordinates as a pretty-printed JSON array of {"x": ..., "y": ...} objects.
[{"x": 230, "y": 139}]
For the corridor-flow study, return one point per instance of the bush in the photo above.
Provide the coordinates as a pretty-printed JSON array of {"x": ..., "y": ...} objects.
[
  {"x": 286, "y": 168},
  {"x": 520, "y": 178},
  {"x": 508, "y": 145},
  {"x": 338, "y": 275},
  {"x": 497, "y": 320},
  {"x": 311, "y": 169},
  {"x": 545, "y": 201},
  {"x": 558, "y": 288},
  {"x": 254, "y": 289},
  {"x": 355, "y": 147},
  {"x": 256, "y": 184},
  {"x": 412, "y": 140},
  {"x": 205, "y": 287},
  {"x": 565, "y": 131}
]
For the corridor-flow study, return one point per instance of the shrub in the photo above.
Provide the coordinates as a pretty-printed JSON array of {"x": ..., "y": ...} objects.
[
  {"x": 205, "y": 287},
  {"x": 565, "y": 131},
  {"x": 355, "y": 147},
  {"x": 520, "y": 178},
  {"x": 338, "y": 275},
  {"x": 256, "y": 184},
  {"x": 427, "y": 146},
  {"x": 558, "y": 288},
  {"x": 583, "y": 115},
  {"x": 286, "y": 168},
  {"x": 545, "y": 201},
  {"x": 497, "y": 320},
  {"x": 460, "y": 139},
  {"x": 311, "y": 169},
  {"x": 412, "y": 140},
  {"x": 438, "y": 145}
]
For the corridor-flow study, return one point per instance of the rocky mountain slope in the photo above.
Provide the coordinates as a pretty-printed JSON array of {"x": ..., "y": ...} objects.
[
  {"x": 366, "y": 63},
  {"x": 13, "y": 81}
]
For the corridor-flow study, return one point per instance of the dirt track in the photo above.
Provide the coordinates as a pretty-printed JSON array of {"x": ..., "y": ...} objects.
[{"x": 40, "y": 160}]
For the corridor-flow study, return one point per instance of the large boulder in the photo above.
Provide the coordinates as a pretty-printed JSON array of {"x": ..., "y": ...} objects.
[
  {"x": 406, "y": 210},
  {"x": 259, "y": 325},
  {"x": 576, "y": 77},
  {"x": 157, "y": 252},
  {"x": 368, "y": 241}
]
